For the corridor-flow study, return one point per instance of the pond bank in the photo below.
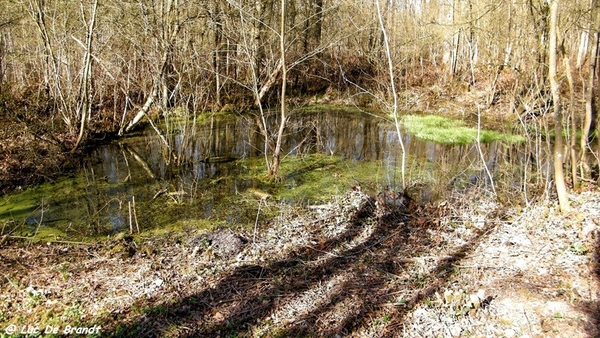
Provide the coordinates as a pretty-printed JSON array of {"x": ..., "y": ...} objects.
[{"x": 362, "y": 266}]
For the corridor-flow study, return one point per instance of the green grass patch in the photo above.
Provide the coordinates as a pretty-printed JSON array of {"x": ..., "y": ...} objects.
[{"x": 447, "y": 131}]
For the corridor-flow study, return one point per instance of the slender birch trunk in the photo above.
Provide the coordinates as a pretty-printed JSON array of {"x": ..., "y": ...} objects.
[{"x": 393, "y": 89}]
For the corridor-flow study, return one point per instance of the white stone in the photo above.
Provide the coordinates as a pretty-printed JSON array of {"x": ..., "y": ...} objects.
[{"x": 420, "y": 312}]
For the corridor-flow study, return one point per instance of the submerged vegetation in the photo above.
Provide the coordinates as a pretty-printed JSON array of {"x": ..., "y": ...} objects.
[{"x": 75, "y": 208}]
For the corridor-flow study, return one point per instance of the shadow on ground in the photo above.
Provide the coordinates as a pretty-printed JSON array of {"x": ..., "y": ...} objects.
[
  {"x": 379, "y": 284},
  {"x": 592, "y": 308}
]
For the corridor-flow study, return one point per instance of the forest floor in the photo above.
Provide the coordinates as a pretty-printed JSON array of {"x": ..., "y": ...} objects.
[{"x": 360, "y": 266}]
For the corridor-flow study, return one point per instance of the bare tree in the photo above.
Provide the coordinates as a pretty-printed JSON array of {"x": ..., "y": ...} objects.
[
  {"x": 590, "y": 86},
  {"x": 53, "y": 69},
  {"x": 559, "y": 179},
  {"x": 86, "y": 94},
  {"x": 170, "y": 25},
  {"x": 394, "y": 94},
  {"x": 274, "y": 168}
]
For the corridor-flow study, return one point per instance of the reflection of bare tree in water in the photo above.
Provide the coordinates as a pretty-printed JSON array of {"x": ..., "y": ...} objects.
[{"x": 103, "y": 211}]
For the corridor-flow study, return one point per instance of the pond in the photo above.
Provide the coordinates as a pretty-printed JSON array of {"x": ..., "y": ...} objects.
[{"x": 212, "y": 173}]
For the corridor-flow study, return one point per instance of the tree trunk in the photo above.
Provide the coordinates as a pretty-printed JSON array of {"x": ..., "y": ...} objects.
[
  {"x": 143, "y": 111},
  {"x": 160, "y": 81},
  {"x": 390, "y": 69},
  {"x": 37, "y": 10},
  {"x": 589, "y": 97},
  {"x": 539, "y": 17},
  {"x": 86, "y": 80},
  {"x": 318, "y": 29},
  {"x": 218, "y": 52},
  {"x": 267, "y": 85},
  {"x": 274, "y": 170},
  {"x": 573, "y": 124},
  {"x": 559, "y": 179},
  {"x": 583, "y": 47}
]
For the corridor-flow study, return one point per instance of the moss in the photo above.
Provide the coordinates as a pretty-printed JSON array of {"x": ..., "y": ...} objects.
[
  {"x": 18, "y": 206},
  {"x": 48, "y": 234},
  {"x": 446, "y": 131},
  {"x": 307, "y": 178}
]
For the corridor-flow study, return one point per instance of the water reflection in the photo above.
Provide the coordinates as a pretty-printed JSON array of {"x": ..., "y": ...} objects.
[{"x": 139, "y": 182}]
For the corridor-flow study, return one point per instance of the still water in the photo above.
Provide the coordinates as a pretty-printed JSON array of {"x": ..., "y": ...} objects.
[{"x": 211, "y": 172}]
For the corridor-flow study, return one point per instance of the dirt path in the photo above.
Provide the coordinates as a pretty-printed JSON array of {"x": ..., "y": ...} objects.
[{"x": 363, "y": 266}]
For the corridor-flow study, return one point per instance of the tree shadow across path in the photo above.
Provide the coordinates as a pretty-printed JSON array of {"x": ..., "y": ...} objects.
[
  {"x": 363, "y": 280},
  {"x": 592, "y": 308}
]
